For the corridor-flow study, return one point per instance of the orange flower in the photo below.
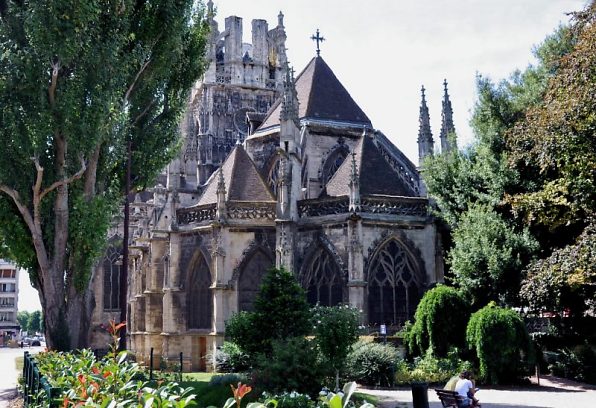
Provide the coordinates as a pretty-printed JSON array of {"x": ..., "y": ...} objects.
[
  {"x": 65, "y": 402},
  {"x": 95, "y": 370},
  {"x": 107, "y": 374},
  {"x": 82, "y": 379},
  {"x": 114, "y": 328},
  {"x": 240, "y": 392}
]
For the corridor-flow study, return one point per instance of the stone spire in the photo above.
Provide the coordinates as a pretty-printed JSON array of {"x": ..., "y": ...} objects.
[
  {"x": 354, "y": 186},
  {"x": 221, "y": 196},
  {"x": 289, "y": 101},
  {"x": 447, "y": 126},
  {"x": 280, "y": 19},
  {"x": 426, "y": 143}
]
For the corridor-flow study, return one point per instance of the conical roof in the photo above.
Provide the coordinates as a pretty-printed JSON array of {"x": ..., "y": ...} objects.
[
  {"x": 375, "y": 175},
  {"x": 321, "y": 96},
  {"x": 242, "y": 180}
]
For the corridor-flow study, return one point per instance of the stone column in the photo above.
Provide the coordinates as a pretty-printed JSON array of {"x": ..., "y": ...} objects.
[{"x": 356, "y": 282}]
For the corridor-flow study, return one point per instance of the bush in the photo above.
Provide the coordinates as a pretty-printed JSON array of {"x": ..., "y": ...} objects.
[
  {"x": 431, "y": 369},
  {"x": 372, "y": 363},
  {"x": 501, "y": 343},
  {"x": 111, "y": 380},
  {"x": 440, "y": 322},
  {"x": 293, "y": 365},
  {"x": 230, "y": 358},
  {"x": 228, "y": 379},
  {"x": 281, "y": 311},
  {"x": 578, "y": 364},
  {"x": 290, "y": 400},
  {"x": 335, "y": 330}
]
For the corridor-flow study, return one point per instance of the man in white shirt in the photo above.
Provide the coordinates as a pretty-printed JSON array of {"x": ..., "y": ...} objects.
[{"x": 465, "y": 388}]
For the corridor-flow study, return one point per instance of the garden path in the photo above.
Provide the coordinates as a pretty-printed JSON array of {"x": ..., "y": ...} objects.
[
  {"x": 553, "y": 392},
  {"x": 9, "y": 374}
]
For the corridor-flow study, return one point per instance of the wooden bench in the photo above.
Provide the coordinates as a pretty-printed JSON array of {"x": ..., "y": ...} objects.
[{"x": 449, "y": 399}]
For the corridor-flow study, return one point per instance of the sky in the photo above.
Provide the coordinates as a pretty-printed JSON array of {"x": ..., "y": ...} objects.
[{"x": 384, "y": 50}]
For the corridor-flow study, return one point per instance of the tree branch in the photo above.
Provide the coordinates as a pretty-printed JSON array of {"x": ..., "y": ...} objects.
[
  {"x": 53, "y": 83},
  {"x": 134, "y": 83},
  {"x": 65, "y": 181},
  {"x": 144, "y": 112},
  {"x": 14, "y": 194}
]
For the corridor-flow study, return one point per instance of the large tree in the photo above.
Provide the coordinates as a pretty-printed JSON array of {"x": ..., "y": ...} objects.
[{"x": 79, "y": 81}]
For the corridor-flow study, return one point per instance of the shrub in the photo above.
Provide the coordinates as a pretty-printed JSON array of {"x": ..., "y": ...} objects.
[
  {"x": 293, "y": 365},
  {"x": 372, "y": 363},
  {"x": 440, "y": 322},
  {"x": 578, "y": 364},
  {"x": 281, "y": 311},
  {"x": 335, "y": 330},
  {"x": 230, "y": 358},
  {"x": 290, "y": 400},
  {"x": 113, "y": 380},
  {"x": 227, "y": 379},
  {"x": 431, "y": 369},
  {"x": 501, "y": 343}
]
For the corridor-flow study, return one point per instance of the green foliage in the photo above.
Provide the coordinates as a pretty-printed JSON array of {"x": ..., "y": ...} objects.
[
  {"x": 431, "y": 369},
  {"x": 577, "y": 364},
  {"x": 281, "y": 312},
  {"x": 231, "y": 359},
  {"x": 488, "y": 256},
  {"x": 23, "y": 318},
  {"x": 372, "y": 363},
  {"x": 500, "y": 340},
  {"x": 35, "y": 322},
  {"x": 293, "y": 365},
  {"x": 566, "y": 280},
  {"x": 289, "y": 400},
  {"x": 335, "y": 330},
  {"x": 83, "y": 379},
  {"x": 77, "y": 84},
  {"x": 440, "y": 322}
]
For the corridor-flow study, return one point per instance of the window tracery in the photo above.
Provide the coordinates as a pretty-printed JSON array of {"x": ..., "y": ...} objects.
[
  {"x": 111, "y": 278},
  {"x": 333, "y": 162},
  {"x": 394, "y": 286},
  {"x": 198, "y": 295},
  {"x": 323, "y": 280},
  {"x": 249, "y": 281}
]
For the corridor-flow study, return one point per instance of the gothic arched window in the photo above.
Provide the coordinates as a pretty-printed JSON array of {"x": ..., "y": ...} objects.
[
  {"x": 335, "y": 159},
  {"x": 111, "y": 277},
  {"x": 198, "y": 295},
  {"x": 394, "y": 286},
  {"x": 249, "y": 281},
  {"x": 323, "y": 280}
]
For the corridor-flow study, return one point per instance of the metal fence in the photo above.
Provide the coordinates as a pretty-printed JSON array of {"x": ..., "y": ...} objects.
[{"x": 36, "y": 388}]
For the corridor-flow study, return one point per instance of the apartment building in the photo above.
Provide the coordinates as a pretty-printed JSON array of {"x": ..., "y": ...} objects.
[{"x": 9, "y": 293}]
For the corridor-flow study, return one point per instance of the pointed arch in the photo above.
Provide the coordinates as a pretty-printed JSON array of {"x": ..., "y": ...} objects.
[
  {"x": 199, "y": 302},
  {"x": 332, "y": 161},
  {"x": 112, "y": 264},
  {"x": 250, "y": 275},
  {"x": 323, "y": 275},
  {"x": 396, "y": 282},
  {"x": 273, "y": 174}
]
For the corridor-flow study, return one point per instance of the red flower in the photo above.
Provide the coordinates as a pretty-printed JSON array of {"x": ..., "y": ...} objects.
[
  {"x": 65, "y": 402},
  {"x": 240, "y": 392},
  {"x": 95, "y": 370}
]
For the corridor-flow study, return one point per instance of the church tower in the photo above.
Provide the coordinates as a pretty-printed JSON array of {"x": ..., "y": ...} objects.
[
  {"x": 242, "y": 79},
  {"x": 426, "y": 143},
  {"x": 447, "y": 126}
]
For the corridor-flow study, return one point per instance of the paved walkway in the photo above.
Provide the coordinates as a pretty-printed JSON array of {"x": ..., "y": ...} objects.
[
  {"x": 552, "y": 393},
  {"x": 9, "y": 373}
]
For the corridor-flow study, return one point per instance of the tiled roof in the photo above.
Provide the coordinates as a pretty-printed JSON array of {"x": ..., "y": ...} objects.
[
  {"x": 242, "y": 179},
  {"x": 322, "y": 97},
  {"x": 376, "y": 176}
]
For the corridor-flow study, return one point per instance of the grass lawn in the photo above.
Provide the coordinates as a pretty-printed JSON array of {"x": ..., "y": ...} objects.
[{"x": 19, "y": 362}]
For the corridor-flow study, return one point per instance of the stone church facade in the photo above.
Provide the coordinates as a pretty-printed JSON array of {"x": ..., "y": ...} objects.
[{"x": 275, "y": 170}]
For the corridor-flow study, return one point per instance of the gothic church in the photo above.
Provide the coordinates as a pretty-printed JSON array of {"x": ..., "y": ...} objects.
[{"x": 275, "y": 170}]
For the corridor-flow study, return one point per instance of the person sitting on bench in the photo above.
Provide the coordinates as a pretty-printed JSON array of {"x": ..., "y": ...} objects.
[{"x": 465, "y": 388}]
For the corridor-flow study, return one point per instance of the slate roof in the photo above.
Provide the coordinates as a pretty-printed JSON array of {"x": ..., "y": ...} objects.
[
  {"x": 242, "y": 179},
  {"x": 322, "y": 97},
  {"x": 376, "y": 176}
]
